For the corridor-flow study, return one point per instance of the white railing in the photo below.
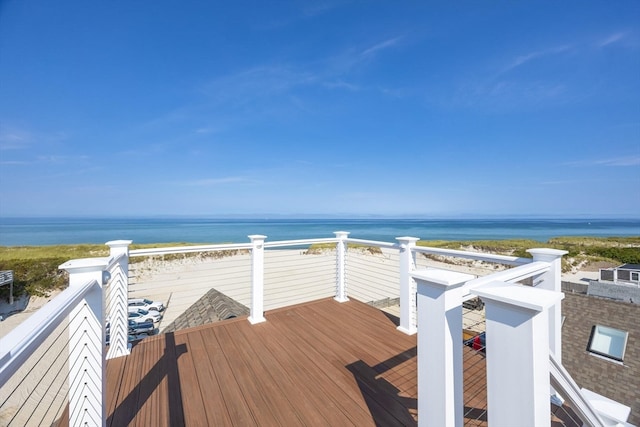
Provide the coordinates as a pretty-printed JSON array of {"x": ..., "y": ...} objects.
[
  {"x": 32, "y": 364},
  {"x": 518, "y": 319},
  {"x": 116, "y": 299},
  {"x": 265, "y": 275},
  {"x": 563, "y": 383}
]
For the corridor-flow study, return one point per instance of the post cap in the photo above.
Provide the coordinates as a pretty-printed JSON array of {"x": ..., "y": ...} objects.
[
  {"x": 528, "y": 297},
  {"x": 84, "y": 265},
  {"x": 118, "y": 243},
  {"x": 546, "y": 253},
  {"x": 445, "y": 278},
  {"x": 407, "y": 239}
]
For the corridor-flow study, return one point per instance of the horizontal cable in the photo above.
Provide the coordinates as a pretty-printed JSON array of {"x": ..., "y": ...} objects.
[
  {"x": 480, "y": 256},
  {"x": 379, "y": 244},
  {"x": 40, "y": 382},
  {"x": 21, "y": 342},
  {"x": 301, "y": 242},
  {"x": 188, "y": 249}
]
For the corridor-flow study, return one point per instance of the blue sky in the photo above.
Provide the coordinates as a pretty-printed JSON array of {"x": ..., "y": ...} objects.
[{"x": 137, "y": 108}]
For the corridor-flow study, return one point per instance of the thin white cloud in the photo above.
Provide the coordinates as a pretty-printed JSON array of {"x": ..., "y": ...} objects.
[
  {"x": 623, "y": 161},
  {"x": 508, "y": 94},
  {"x": 341, "y": 85},
  {"x": 611, "y": 39},
  {"x": 569, "y": 181},
  {"x": 203, "y": 131},
  {"x": 57, "y": 158},
  {"x": 15, "y": 162},
  {"x": 528, "y": 57},
  {"x": 48, "y": 159},
  {"x": 17, "y": 138},
  {"x": 345, "y": 61},
  {"x": 14, "y": 139},
  {"x": 258, "y": 82},
  {"x": 211, "y": 182},
  {"x": 319, "y": 8},
  {"x": 381, "y": 46}
]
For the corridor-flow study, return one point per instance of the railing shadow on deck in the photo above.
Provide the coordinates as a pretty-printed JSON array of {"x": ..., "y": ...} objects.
[
  {"x": 386, "y": 405},
  {"x": 165, "y": 367},
  {"x": 394, "y": 319}
]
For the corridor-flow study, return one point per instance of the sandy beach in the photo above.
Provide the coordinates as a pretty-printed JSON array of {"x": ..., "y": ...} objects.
[{"x": 290, "y": 275}]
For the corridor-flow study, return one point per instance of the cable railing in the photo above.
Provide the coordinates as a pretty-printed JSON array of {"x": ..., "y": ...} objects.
[
  {"x": 260, "y": 275},
  {"x": 474, "y": 362},
  {"x": 180, "y": 276},
  {"x": 34, "y": 360},
  {"x": 37, "y": 393},
  {"x": 373, "y": 275},
  {"x": 294, "y": 276}
]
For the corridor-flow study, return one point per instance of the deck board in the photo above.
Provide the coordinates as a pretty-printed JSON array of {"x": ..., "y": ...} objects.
[
  {"x": 236, "y": 408},
  {"x": 190, "y": 368},
  {"x": 276, "y": 371},
  {"x": 210, "y": 390},
  {"x": 320, "y": 363},
  {"x": 326, "y": 365},
  {"x": 315, "y": 364}
]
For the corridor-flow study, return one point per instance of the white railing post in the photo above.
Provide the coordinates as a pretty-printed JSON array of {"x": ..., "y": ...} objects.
[
  {"x": 117, "y": 295},
  {"x": 257, "y": 279},
  {"x": 440, "y": 371},
  {"x": 552, "y": 281},
  {"x": 87, "y": 353},
  {"x": 518, "y": 370},
  {"x": 341, "y": 250},
  {"x": 408, "y": 304}
]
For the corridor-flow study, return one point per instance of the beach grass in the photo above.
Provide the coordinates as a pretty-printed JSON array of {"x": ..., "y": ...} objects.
[
  {"x": 71, "y": 251},
  {"x": 36, "y": 267},
  {"x": 580, "y": 250}
]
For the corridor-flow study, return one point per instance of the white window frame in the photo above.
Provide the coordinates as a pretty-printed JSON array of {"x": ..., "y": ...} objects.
[{"x": 608, "y": 342}]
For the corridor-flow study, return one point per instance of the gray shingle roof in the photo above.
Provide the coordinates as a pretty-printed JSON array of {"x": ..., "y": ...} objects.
[
  {"x": 620, "y": 382},
  {"x": 212, "y": 307}
]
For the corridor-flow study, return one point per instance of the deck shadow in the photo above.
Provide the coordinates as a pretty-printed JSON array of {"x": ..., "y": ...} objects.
[
  {"x": 386, "y": 406},
  {"x": 165, "y": 367},
  {"x": 394, "y": 319}
]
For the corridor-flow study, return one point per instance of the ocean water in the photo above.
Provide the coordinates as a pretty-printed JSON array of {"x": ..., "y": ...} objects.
[{"x": 54, "y": 231}]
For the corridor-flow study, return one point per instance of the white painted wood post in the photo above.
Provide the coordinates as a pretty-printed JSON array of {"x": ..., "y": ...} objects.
[
  {"x": 440, "y": 371},
  {"x": 517, "y": 328},
  {"x": 257, "y": 279},
  {"x": 117, "y": 292},
  {"x": 408, "y": 305},
  {"x": 341, "y": 250},
  {"x": 552, "y": 281},
  {"x": 87, "y": 352}
]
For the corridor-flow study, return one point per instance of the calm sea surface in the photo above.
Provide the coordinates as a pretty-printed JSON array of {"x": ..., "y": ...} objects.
[{"x": 52, "y": 231}]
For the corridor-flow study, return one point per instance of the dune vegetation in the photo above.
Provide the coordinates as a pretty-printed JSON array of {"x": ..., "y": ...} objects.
[
  {"x": 36, "y": 267},
  {"x": 581, "y": 251}
]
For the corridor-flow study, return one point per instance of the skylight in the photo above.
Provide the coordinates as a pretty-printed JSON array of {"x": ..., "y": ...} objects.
[{"x": 608, "y": 342}]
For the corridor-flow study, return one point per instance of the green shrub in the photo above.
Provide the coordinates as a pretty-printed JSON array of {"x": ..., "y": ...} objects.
[{"x": 37, "y": 277}]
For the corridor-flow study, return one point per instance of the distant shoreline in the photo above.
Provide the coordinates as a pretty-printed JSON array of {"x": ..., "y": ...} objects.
[{"x": 54, "y": 231}]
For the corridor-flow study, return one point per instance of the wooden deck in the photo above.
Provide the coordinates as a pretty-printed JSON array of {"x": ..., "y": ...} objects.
[
  {"x": 320, "y": 363},
  {"x": 316, "y": 364}
]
